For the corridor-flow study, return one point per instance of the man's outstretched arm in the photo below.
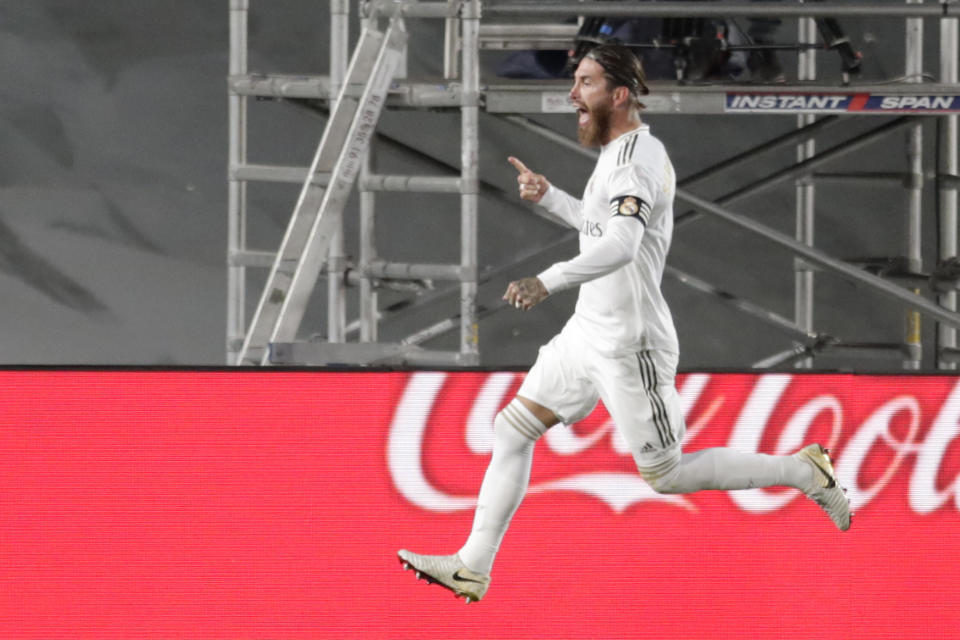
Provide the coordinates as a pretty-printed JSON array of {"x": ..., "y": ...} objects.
[{"x": 616, "y": 249}]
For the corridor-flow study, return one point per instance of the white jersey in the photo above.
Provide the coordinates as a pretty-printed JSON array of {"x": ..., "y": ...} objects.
[{"x": 626, "y": 223}]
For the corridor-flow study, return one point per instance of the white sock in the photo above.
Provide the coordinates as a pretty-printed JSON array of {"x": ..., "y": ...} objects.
[
  {"x": 516, "y": 431},
  {"x": 727, "y": 470}
]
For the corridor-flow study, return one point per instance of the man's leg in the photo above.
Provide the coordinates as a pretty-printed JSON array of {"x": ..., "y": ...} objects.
[
  {"x": 810, "y": 470},
  {"x": 555, "y": 381},
  {"x": 724, "y": 469},
  {"x": 646, "y": 407},
  {"x": 467, "y": 573},
  {"x": 516, "y": 430}
]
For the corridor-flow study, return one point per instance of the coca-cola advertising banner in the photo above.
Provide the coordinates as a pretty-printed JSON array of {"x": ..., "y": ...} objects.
[{"x": 270, "y": 504}]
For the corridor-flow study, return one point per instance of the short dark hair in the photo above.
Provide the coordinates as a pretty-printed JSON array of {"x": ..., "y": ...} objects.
[{"x": 621, "y": 68}]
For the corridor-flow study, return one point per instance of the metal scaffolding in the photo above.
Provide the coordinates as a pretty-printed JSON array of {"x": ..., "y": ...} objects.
[{"x": 472, "y": 25}]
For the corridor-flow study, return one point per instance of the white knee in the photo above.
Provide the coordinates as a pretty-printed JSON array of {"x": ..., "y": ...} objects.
[
  {"x": 660, "y": 474},
  {"x": 659, "y": 483},
  {"x": 516, "y": 423}
]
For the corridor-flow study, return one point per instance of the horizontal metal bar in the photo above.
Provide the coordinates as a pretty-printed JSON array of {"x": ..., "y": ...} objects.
[
  {"x": 277, "y": 173},
  {"x": 718, "y": 10},
  {"x": 402, "y": 93},
  {"x": 328, "y": 353},
  {"x": 528, "y": 31},
  {"x": 280, "y": 86},
  {"x": 517, "y": 44},
  {"x": 265, "y": 260},
  {"x": 911, "y": 280},
  {"x": 891, "y": 177},
  {"x": 255, "y": 259},
  {"x": 413, "y": 9},
  {"x": 950, "y": 354},
  {"x": 412, "y": 271},
  {"x": 425, "y": 94},
  {"x": 867, "y": 349},
  {"x": 544, "y": 96},
  {"x": 949, "y": 180},
  {"x": 528, "y": 36},
  {"x": 417, "y": 184},
  {"x": 418, "y": 287},
  {"x": 826, "y": 262},
  {"x": 900, "y": 89}
]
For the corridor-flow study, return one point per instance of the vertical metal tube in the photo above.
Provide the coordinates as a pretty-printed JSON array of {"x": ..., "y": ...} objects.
[
  {"x": 369, "y": 329},
  {"x": 368, "y": 253},
  {"x": 803, "y": 274},
  {"x": 404, "y": 65},
  {"x": 913, "y": 55},
  {"x": 451, "y": 44},
  {"x": 237, "y": 189},
  {"x": 949, "y": 55},
  {"x": 339, "y": 42},
  {"x": 469, "y": 173},
  {"x": 336, "y": 260}
]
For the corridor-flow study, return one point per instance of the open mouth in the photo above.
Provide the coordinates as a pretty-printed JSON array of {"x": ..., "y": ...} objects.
[{"x": 583, "y": 116}]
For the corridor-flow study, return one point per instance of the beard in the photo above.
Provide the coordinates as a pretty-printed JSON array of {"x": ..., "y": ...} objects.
[{"x": 597, "y": 129}]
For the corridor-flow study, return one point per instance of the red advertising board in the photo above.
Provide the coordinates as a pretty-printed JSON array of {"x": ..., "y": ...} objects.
[{"x": 270, "y": 504}]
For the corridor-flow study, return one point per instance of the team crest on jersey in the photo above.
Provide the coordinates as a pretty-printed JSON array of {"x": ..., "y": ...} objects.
[{"x": 630, "y": 206}]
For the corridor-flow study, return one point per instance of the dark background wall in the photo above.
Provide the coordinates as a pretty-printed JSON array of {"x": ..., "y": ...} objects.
[{"x": 113, "y": 142}]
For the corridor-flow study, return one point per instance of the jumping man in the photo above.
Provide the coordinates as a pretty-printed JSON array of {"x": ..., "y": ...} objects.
[{"x": 620, "y": 345}]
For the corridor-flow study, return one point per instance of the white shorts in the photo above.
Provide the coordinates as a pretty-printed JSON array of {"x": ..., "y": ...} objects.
[{"x": 569, "y": 377}]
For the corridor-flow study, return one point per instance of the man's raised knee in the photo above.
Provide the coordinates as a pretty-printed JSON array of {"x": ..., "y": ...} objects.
[
  {"x": 661, "y": 473},
  {"x": 659, "y": 482}
]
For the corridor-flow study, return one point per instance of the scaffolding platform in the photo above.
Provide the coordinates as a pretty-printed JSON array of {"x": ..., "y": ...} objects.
[{"x": 814, "y": 105}]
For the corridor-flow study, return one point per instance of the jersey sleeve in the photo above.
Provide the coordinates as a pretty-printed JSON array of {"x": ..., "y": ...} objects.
[
  {"x": 563, "y": 206},
  {"x": 617, "y": 247}
]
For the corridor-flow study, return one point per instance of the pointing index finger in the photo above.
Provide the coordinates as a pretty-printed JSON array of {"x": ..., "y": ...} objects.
[{"x": 518, "y": 165}]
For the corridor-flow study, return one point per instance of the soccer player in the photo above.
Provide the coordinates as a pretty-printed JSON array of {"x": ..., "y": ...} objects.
[{"x": 620, "y": 345}]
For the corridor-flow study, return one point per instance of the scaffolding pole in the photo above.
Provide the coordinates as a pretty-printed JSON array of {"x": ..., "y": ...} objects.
[
  {"x": 947, "y": 188},
  {"x": 237, "y": 187},
  {"x": 914, "y": 74},
  {"x": 369, "y": 324},
  {"x": 369, "y": 328},
  {"x": 336, "y": 257},
  {"x": 806, "y": 192},
  {"x": 470, "y": 176}
]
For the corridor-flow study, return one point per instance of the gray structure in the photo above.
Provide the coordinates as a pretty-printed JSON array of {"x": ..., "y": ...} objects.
[{"x": 132, "y": 277}]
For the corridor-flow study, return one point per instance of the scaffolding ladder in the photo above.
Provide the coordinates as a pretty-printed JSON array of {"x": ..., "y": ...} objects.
[{"x": 314, "y": 232}]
